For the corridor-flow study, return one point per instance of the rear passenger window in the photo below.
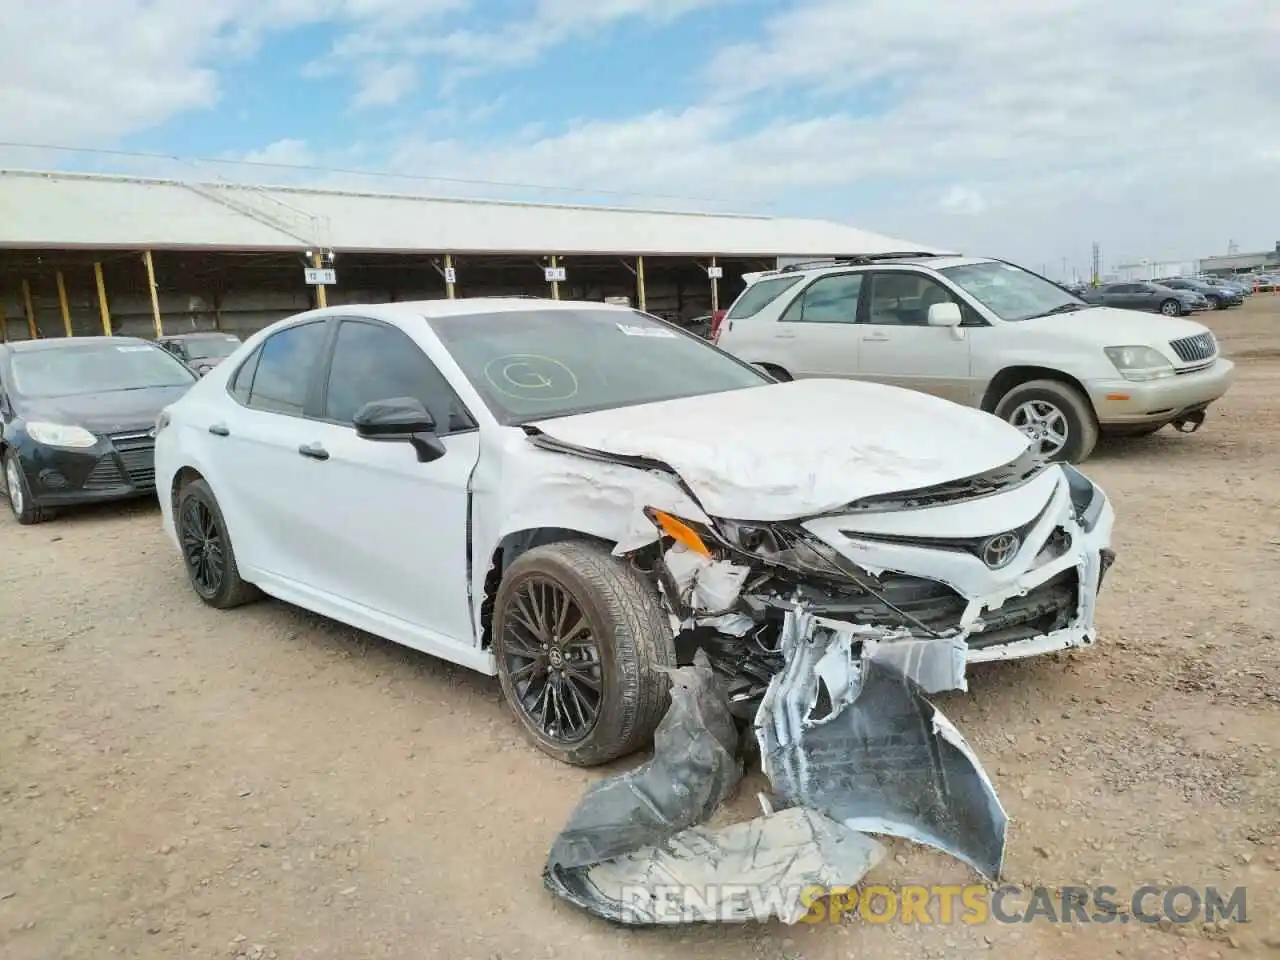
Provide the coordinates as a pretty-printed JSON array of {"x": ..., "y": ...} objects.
[
  {"x": 242, "y": 382},
  {"x": 285, "y": 365},
  {"x": 373, "y": 362},
  {"x": 832, "y": 299},
  {"x": 759, "y": 295}
]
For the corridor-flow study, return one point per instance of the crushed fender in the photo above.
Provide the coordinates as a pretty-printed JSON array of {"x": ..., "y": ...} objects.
[{"x": 851, "y": 746}]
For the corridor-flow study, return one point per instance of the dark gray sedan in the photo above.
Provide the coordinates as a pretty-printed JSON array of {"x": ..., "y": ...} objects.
[{"x": 1144, "y": 295}]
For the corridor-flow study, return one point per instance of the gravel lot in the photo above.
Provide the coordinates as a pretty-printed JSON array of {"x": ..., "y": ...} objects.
[{"x": 180, "y": 782}]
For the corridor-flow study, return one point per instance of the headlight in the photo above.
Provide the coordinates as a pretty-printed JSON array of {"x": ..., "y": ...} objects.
[
  {"x": 1140, "y": 363},
  {"x": 60, "y": 435},
  {"x": 1086, "y": 499}
]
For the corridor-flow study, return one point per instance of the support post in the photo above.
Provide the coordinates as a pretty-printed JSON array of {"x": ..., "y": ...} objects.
[
  {"x": 4, "y": 321},
  {"x": 555, "y": 284},
  {"x": 102, "y": 299},
  {"x": 63, "y": 305},
  {"x": 155, "y": 292},
  {"x": 715, "y": 292},
  {"x": 640, "y": 282},
  {"x": 32, "y": 330},
  {"x": 449, "y": 285},
  {"x": 322, "y": 298}
]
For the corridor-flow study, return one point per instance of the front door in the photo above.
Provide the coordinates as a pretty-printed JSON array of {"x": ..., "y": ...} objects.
[
  {"x": 389, "y": 533},
  {"x": 899, "y": 347}
]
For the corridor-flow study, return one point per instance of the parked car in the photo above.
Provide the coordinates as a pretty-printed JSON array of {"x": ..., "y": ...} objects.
[
  {"x": 987, "y": 334},
  {"x": 1239, "y": 286},
  {"x": 78, "y": 419},
  {"x": 568, "y": 494},
  {"x": 1221, "y": 297},
  {"x": 1148, "y": 296},
  {"x": 200, "y": 351}
]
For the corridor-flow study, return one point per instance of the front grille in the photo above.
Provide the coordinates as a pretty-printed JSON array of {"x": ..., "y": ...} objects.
[
  {"x": 137, "y": 453},
  {"x": 105, "y": 475},
  {"x": 1195, "y": 349},
  {"x": 1048, "y": 607}
]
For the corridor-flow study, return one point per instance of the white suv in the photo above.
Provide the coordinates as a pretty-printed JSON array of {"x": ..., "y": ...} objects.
[{"x": 984, "y": 333}]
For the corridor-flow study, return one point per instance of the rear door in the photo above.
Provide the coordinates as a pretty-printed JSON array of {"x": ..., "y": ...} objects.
[
  {"x": 817, "y": 335},
  {"x": 257, "y": 451},
  {"x": 899, "y": 347}
]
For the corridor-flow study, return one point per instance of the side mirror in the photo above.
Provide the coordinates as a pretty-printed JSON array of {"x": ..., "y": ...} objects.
[
  {"x": 945, "y": 315},
  {"x": 402, "y": 420}
]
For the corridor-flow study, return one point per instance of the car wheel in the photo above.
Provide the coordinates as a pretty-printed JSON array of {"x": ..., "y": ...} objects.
[
  {"x": 1054, "y": 415},
  {"x": 206, "y": 549},
  {"x": 580, "y": 638},
  {"x": 1171, "y": 308},
  {"x": 25, "y": 510},
  {"x": 1218, "y": 303}
]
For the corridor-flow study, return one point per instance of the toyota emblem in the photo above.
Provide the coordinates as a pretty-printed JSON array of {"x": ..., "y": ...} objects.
[{"x": 999, "y": 550}]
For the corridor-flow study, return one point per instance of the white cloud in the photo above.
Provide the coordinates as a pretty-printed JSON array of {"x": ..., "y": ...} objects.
[{"x": 962, "y": 201}]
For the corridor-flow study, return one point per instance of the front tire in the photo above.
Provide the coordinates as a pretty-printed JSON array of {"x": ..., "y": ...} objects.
[
  {"x": 25, "y": 509},
  {"x": 580, "y": 638},
  {"x": 207, "y": 553},
  {"x": 1171, "y": 308},
  {"x": 1054, "y": 413}
]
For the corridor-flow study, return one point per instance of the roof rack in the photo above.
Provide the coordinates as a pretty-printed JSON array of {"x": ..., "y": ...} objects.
[{"x": 860, "y": 260}]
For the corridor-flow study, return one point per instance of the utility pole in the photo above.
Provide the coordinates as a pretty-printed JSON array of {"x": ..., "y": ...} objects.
[{"x": 1097, "y": 263}]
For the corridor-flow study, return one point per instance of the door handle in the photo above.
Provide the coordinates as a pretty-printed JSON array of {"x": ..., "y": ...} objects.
[
  {"x": 220, "y": 430},
  {"x": 875, "y": 338},
  {"x": 314, "y": 451},
  {"x": 786, "y": 336}
]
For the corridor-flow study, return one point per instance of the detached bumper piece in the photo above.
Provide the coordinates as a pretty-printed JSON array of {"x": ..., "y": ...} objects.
[{"x": 851, "y": 746}]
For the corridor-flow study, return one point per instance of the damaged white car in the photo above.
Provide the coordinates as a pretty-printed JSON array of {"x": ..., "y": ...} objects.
[{"x": 577, "y": 497}]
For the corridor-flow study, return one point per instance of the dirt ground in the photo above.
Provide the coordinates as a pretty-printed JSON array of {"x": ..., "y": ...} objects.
[{"x": 179, "y": 782}]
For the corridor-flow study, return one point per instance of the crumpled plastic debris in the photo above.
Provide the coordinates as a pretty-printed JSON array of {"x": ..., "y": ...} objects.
[
  {"x": 846, "y": 732},
  {"x": 851, "y": 746},
  {"x": 634, "y": 837}
]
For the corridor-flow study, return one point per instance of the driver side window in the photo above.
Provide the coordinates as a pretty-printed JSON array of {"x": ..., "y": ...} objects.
[
  {"x": 903, "y": 299},
  {"x": 373, "y": 361}
]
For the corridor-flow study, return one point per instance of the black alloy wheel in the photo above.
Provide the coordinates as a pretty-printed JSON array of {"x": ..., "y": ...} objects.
[
  {"x": 553, "y": 661},
  {"x": 203, "y": 548},
  {"x": 207, "y": 552}
]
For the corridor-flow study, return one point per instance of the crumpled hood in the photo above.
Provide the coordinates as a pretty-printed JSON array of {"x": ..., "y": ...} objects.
[{"x": 788, "y": 450}]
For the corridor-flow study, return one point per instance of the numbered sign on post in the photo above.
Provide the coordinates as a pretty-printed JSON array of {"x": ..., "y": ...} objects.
[
  {"x": 715, "y": 273},
  {"x": 554, "y": 274},
  {"x": 450, "y": 275},
  {"x": 320, "y": 276}
]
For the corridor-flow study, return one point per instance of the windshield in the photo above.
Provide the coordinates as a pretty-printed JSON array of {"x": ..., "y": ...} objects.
[
  {"x": 71, "y": 369},
  {"x": 1010, "y": 292},
  {"x": 535, "y": 364},
  {"x": 206, "y": 349}
]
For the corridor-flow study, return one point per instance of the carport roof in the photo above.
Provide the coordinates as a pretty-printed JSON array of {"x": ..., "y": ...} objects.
[{"x": 75, "y": 210}]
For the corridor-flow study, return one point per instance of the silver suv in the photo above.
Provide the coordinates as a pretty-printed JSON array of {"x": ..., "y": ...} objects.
[{"x": 984, "y": 333}]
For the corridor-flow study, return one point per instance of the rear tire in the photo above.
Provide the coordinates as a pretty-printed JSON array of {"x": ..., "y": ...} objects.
[
  {"x": 1055, "y": 402},
  {"x": 598, "y": 650},
  {"x": 207, "y": 553},
  {"x": 25, "y": 510}
]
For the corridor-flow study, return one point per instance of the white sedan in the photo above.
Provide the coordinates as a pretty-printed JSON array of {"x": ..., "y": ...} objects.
[{"x": 577, "y": 496}]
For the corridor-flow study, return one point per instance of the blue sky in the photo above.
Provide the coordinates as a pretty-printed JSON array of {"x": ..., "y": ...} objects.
[{"x": 1025, "y": 131}]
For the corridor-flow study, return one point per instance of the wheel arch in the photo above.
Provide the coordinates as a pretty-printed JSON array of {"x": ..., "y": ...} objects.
[
  {"x": 507, "y": 551},
  {"x": 1012, "y": 376}
]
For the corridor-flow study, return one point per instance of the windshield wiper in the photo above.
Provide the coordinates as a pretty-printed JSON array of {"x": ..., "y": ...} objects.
[{"x": 1060, "y": 308}]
